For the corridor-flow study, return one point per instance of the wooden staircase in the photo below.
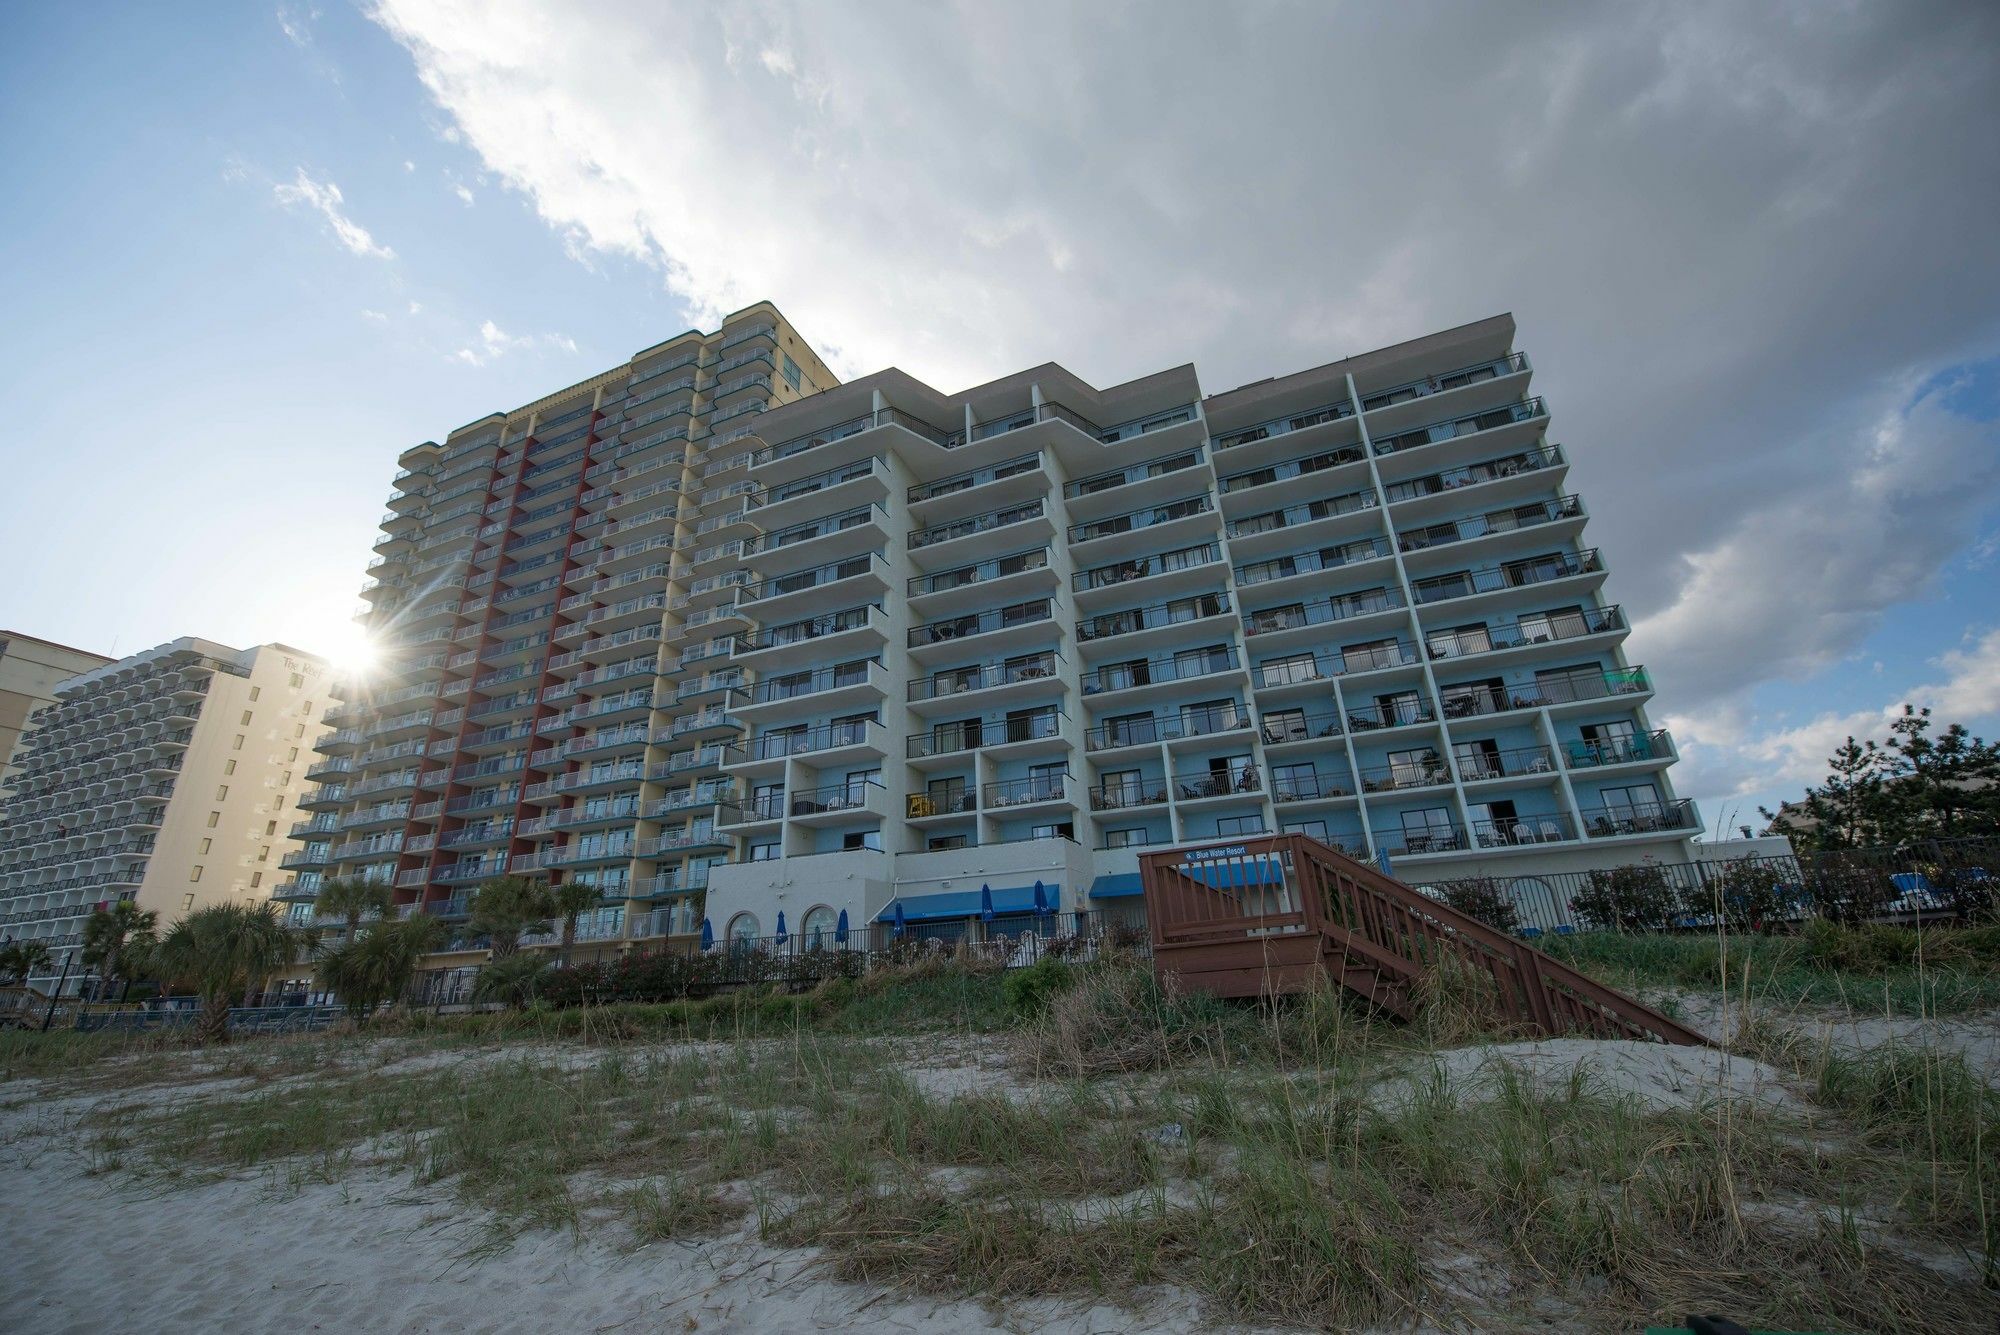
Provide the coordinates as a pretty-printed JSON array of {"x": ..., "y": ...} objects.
[{"x": 1281, "y": 913}]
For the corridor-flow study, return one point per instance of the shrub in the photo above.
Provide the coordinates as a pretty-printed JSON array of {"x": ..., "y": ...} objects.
[
  {"x": 1628, "y": 899},
  {"x": 513, "y": 979},
  {"x": 1029, "y": 991},
  {"x": 1483, "y": 898},
  {"x": 1753, "y": 894}
]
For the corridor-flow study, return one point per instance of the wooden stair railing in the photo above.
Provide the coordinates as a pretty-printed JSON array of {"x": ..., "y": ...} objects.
[{"x": 1247, "y": 918}]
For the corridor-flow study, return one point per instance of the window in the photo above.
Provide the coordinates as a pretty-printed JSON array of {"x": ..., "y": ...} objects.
[
  {"x": 246, "y": 718},
  {"x": 205, "y": 845},
  {"x": 270, "y": 827},
  {"x": 264, "y": 853},
  {"x": 766, "y": 852},
  {"x": 1059, "y": 830},
  {"x": 945, "y": 842},
  {"x": 790, "y": 370},
  {"x": 1312, "y": 829},
  {"x": 743, "y": 928},
  {"x": 279, "y": 805},
  {"x": 1128, "y": 838},
  {"x": 1240, "y": 825},
  {"x": 256, "y": 879},
  {"x": 297, "y": 681},
  {"x": 861, "y": 839},
  {"x": 1285, "y": 725},
  {"x": 299, "y": 731},
  {"x": 1293, "y": 783},
  {"x": 187, "y": 901},
  {"x": 1416, "y": 766},
  {"x": 237, "y": 745},
  {"x": 213, "y": 817},
  {"x": 1287, "y": 671},
  {"x": 817, "y": 927},
  {"x": 306, "y": 709},
  {"x": 292, "y": 753},
  {"x": 195, "y": 874},
  {"x": 285, "y": 779},
  {"x": 255, "y": 691},
  {"x": 228, "y": 767},
  {"x": 1428, "y": 828},
  {"x": 222, "y": 792}
]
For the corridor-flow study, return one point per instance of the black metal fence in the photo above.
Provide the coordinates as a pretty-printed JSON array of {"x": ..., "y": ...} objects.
[{"x": 1932, "y": 881}]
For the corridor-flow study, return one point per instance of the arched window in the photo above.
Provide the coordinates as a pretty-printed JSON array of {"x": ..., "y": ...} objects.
[
  {"x": 744, "y": 931},
  {"x": 1536, "y": 904},
  {"x": 817, "y": 926}
]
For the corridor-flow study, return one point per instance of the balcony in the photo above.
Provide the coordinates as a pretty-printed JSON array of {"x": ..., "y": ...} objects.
[
  {"x": 1524, "y": 464},
  {"x": 828, "y": 539},
  {"x": 1142, "y": 675},
  {"x": 1131, "y": 625},
  {"x": 1521, "y": 574},
  {"x": 1030, "y": 621},
  {"x": 1547, "y": 628},
  {"x": 837, "y": 635},
  {"x": 1548, "y": 690},
  {"x": 1429, "y": 772},
  {"x": 818, "y": 689},
  {"x": 1138, "y": 522},
  {"x": 1213, "y": 785},
  {"x": 1313, "y": 562},
  {"x": 1639, "y": 819},
  {"x": 1527, "y": 410},
  {"x": 1493, "y": 522},
  {"x": 772, "y": 502},
  {"x": 837, "y": 803},
  {"x": 1026, "y": 522},
  {"x": 1128, "y": 795},
  {"x": 1304, "y": 669},
  {"x": 1026, "y": 730},
  {"x": 1271, "y": 624},
  {"x": 1253, "y": 526},
  {"x": 1339, "y": 410},
  {"x": 1027, "y": 467},
  {"x": 1653, "y": 749},
  {"x": 969, "y": 582},
  {"x": 1165, "y": 419},
  {"x": 1292, "y": 469},
  {"x": 1514, "y": 763},
  {"x": 1119, "y": 480},
  {"x": 852, "y": 736},
  {"x": 1033, "y": 673},
  {"x": 1138, "y": 732},
  {"x": 1294, "y": 788},
  {"x": 1111, "y": 576}
]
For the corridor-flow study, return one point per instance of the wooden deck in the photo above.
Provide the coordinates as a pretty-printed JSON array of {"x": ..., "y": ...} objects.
[{"x": 1284, "y": 913}]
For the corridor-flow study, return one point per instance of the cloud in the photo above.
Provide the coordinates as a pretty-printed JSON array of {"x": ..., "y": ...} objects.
[
  {"x": 1743, "y": 243},
  {"x": 297, "y": 21},
  {"x": 324, "y": 198},
  {"x": 377, "y": 316},
  {"x": 1728, "y": 755},
  {"x": 416, "y": 308},
  {"x": 409, "y": 166},
  {"x": 464, "y": 194},
  {"x": 495, "y": 342}
]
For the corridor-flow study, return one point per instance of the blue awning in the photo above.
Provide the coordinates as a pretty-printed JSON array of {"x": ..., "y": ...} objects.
[
  {"x": 1234, "y": 872},
  {"x": 1122, "y": 886},
  {"x": 965, "y": 903}
]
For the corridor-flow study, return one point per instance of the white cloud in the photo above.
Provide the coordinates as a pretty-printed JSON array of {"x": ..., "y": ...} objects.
[
  {"x": 464, "y": 194},
  {"x": 495, "y": 342},
  {"x": 377, "y": 316},
  {"x": 1740, "y": 241},
  {"x": 409, "y": 166},
  {"x": 324, "y": 198},
  {"x": 416, "y": 308},
  {"x": 297, "y": 21}
]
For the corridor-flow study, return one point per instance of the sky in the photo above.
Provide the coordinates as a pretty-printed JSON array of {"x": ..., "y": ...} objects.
[{"x": 250, "y": 252}]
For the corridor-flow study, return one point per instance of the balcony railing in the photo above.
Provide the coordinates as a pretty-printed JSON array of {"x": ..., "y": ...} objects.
[
  {"x": 1023, "y": 792},
  {"x": 1450, "y": 479},
  {"x": 1507, "y": 575},
  {"x": 1281, "y": 728},
  {"x": 1120, "y": 477},
  {"x": 1429, "y": 772},
  {"x": 1152, "y": 671},
  {"x": 1150, "y": 731},
  {"x": 986, "y": 523},
  {"x": 1128, "y": 794},
  {"x": 1545, "y": 629},
  {"x": 998, "y": 568},
  {"x": 961, "y": 680},
  {"x": 1515, "y": 762},
  {"x": 1526, "y": 410},
  {"x": 1238, "y": 781},
  {"x": 1494, "y": 521},
  {"x": 832, "y": 798},
  {"x": 1148, "y": 618},
  {"x": 806, "y": 486},
  {"x": 818, "y": 528},
  {"x": 1185, "y": 508},
  {"x": 1510, "y": 364},
  {"x": 793, "y": 685},
  {"x": 803, "y": 741},
  {"x": 1291, "y": 516},
  {"x": 1323, "y": 612},
  {"x": 1475, "y": 700},
  {"x": 837, "y": 623},
  {"x": 1143, "y": 567},
  {"x": 1297, "y": 787},
  {"x": 930, "y": 491},
  {"x": 968, "y": 734},
  {"x": 955, "y": 628},
  {"x": 1642, "y": 818},
  {"x": 1628, "y": 750},
  {"x": 1293, "y": 468},
  {"x": 1300, "y": 669},
  {"x": 1278, "y": 426},
  {"x": 801, "y": 580}
]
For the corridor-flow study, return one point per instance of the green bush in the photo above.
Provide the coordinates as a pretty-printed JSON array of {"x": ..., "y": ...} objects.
[
  {"x": 1029, "y": 991},
  {"x": 1483, "y": 898},
  {"x": 1628, "y": 899}
]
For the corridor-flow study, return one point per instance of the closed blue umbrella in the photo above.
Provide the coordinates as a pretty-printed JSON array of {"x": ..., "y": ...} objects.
[
  {"x": 896, "y": 919},
  {"x": 707, "y": 935},
  {"x": 1382, "y": 861},
  {"x": 1042, "y": 905},
  {"x": 783, "y": 935},
  {"x": 986, "y": 903},
  {"x": 840, "y": 930}
]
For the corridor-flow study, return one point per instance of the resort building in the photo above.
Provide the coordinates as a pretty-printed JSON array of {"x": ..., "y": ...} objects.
[
  {"x": 30, "y": 671},
  {"x": 170, "y": 778},
  {"x": 883, "y": 650}
]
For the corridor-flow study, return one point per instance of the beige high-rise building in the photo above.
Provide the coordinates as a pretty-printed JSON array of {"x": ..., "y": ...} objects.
[
  {"x": 30, "y": 671},
  {"x": 170, "y": 778}
]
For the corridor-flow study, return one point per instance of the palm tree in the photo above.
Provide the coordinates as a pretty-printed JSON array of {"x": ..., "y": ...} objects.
[
  {"x": 22, "y": 958},
  {"x": 113, "y": 937},
  {"x": 367, "y": 971},
  {"x": 514, "y": 980},
  {"x": 220, "y": 951},
  {"x": 505, "y": 907},
  {"x": 570, "y": 901},
  {"x": 352, "y": 898}
]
